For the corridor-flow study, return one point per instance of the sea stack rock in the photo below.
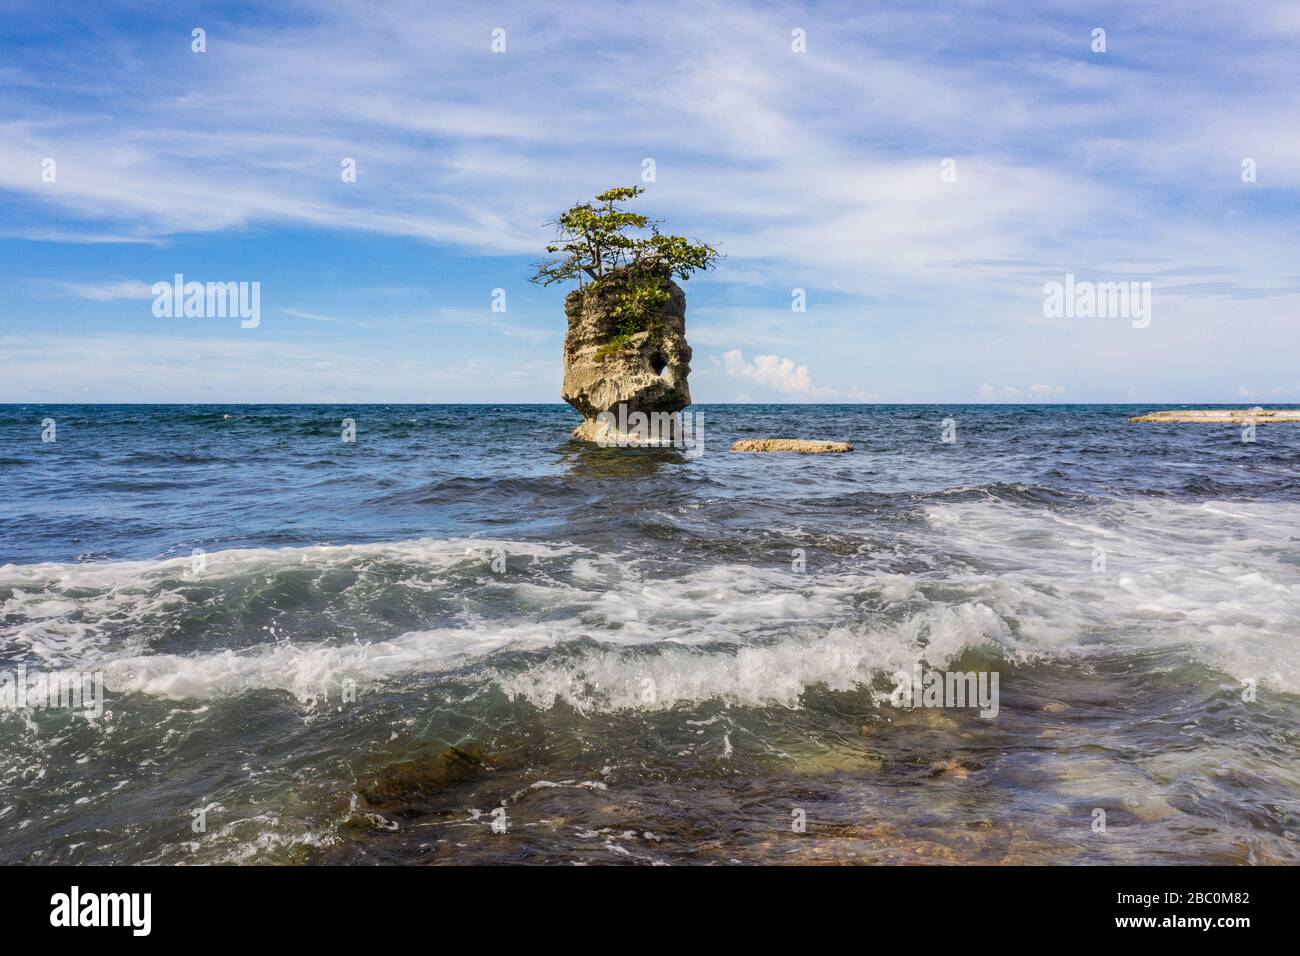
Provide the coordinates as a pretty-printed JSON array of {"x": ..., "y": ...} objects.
[{"x": 604, "y": 369}]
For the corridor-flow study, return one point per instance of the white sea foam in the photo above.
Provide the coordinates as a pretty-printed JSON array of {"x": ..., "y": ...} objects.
[
  {"x": 311, "y": 671},
  {"x": 1221, "y": 580},
  {"x": 63, "y": 612},
  {"x": 773, "y": 674},
  {"x": 110, "y": 575}
]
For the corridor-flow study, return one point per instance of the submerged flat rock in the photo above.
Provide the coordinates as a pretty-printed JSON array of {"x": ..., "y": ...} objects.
[
  {"x": 803, "y": 445},
  {"x": 1222, "y": 416},
  {"x": 411, "y": 781}
]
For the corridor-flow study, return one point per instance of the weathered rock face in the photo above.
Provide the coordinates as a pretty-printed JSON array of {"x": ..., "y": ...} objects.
[{"x": 646, "y": 374}]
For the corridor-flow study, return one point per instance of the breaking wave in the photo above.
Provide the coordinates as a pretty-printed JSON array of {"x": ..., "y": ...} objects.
[{"x": 1216, "y": 580}]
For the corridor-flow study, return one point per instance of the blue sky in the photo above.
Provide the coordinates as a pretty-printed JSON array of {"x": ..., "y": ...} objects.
[{"x": 819, "y": 170}]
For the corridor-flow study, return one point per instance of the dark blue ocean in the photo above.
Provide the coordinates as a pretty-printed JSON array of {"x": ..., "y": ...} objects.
[{"x": 463, "y": 637}]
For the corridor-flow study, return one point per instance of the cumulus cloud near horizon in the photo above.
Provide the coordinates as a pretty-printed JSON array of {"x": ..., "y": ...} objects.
[{"x": 781, "y": 375}]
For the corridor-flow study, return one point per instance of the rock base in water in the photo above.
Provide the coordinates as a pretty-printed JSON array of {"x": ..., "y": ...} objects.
[
  {"x": 1221, "y": 416},
  {"x": 803, "y": 445},
  {"x": 666, "y": 431}
]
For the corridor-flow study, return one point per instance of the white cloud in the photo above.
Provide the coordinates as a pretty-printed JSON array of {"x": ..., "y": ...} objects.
[
  {"x": 782, "y": 376},
  {"x": 476, "y": 318},
  {"x": 244, "y": 366},
  {"x": 310, "y": 316},
  {"x": 790, "y": 162},
  {"x": 1039, "y": 390},
  {"x": 106, "y": 291},
  {"x": 778, "y": 374},
  {"x": 1009, "y": 393}
]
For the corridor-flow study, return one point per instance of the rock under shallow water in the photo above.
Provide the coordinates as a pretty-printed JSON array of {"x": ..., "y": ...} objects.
[
  {"x": 647, "y": 372},
  {"x": 803, "y": 445},
  {"x": 411, "y": 782}
]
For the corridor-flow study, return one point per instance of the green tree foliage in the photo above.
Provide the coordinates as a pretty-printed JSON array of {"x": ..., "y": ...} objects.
[{"x": 608, "y": 251}]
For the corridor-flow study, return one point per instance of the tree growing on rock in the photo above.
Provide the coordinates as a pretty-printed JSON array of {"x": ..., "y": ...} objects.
[{"x": 611, "y": 251}]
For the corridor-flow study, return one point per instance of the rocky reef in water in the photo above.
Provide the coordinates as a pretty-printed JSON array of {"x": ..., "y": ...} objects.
[
  {"x": 1221, "y": 416},
  {"x": 802, "y": 445}
]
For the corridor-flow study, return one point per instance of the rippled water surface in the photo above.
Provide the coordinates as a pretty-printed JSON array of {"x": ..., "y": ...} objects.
[{"x": 627, "y": 655}]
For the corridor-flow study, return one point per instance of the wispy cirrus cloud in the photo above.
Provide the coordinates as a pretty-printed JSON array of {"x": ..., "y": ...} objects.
[
  {"x": 827, "y": 161},
  {"x": 243, "y": 367},
  {"x": 309, "y": 316},
  {"x": 103, "y": 291},
  {"x": 819, "y": 170}
]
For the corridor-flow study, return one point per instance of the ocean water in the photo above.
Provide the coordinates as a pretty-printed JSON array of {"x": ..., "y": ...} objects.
[{"x": 463, "y": 638}]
